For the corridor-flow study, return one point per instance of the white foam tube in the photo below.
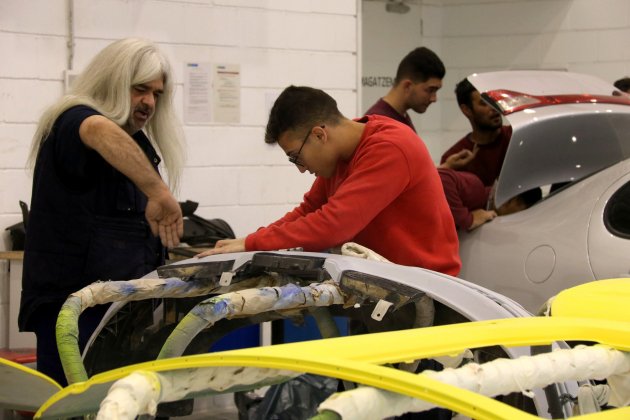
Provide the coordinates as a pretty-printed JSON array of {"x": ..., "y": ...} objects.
[
  {"x": 140, "y": 392},
  {"x": 501, "y": 376},
  {"x": 135, "y": 394},
  {"x": 247, "y": 302}
]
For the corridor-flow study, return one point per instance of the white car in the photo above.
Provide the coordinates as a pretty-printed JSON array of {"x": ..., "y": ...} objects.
[{"x": 571, "y": 136}]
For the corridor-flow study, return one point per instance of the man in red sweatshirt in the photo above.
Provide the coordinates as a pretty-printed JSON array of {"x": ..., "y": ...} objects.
[{"x": 376, "y": 185}]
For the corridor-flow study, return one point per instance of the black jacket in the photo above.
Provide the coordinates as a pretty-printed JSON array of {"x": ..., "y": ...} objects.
[{"x": 86, "y": 222}]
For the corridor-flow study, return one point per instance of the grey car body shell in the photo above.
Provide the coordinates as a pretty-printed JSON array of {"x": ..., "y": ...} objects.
[
  {"x": 474, "y": 302},
  {"x": 563, "y": 240}
]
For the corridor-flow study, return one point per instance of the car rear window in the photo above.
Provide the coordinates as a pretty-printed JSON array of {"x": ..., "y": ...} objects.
[{"x": 561, "y": 149}]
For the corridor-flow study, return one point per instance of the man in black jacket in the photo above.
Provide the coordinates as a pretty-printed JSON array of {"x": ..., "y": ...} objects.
[{"x": 99, "y": 208}]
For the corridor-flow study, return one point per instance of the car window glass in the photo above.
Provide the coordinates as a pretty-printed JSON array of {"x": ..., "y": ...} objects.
[
  {"x": 617, "y": 212},
  {"x": 562, "y": 149}
]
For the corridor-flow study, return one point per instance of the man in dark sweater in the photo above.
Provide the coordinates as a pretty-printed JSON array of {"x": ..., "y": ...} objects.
[
  {"x": 489, "y": 139},
  {"x": 418, "y": 79}
]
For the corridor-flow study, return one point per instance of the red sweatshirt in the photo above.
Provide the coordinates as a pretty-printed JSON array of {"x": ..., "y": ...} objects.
[
  {"x": 464, "y": 193},
  {"x": 387, "y": 197}
]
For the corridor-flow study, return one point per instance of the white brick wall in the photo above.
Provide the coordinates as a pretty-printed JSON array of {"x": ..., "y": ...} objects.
[{"x": 230, "y": 171}]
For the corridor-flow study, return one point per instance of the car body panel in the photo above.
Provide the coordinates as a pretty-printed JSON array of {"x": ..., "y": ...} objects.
[
  {"x": 606, "y": 299},
  {"x": 581, "y": 148},
  {"x": 16, "y": 378},
  {"x": 469, "y": 301},
  {"x": 532, "y": 255},
  {"x": 608, "y": 253}
]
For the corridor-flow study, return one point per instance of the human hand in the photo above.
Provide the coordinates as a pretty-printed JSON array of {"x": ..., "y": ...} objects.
[
  {"x": 481, "y": 216},
  {"x": 225, "y": 246},
  {"x": 460, "y": 159},
  {"x": 165, "y": 218}
]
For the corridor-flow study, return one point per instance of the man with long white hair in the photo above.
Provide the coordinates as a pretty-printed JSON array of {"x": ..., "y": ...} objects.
[{"x": 99, "y": 208}]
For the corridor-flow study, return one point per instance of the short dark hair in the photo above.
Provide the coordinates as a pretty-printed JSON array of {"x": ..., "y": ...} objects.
[
  {"x": 420, "y": 65},
  {"x": 300, "y": 107},
  {"x": 623, "y": 84},
  {"x": 463, "y": 92}
]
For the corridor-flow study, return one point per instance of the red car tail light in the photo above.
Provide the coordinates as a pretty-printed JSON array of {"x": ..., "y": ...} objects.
[{"x": 509, "y": 101}]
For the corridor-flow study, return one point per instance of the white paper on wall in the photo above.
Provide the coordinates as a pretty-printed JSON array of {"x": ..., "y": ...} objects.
[
  {"x": 197, "y": 83},
  {"x": 226, "y": 93}
]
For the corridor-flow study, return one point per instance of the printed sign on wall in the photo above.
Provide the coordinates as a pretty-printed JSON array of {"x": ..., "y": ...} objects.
[
  {"x": 227, "y": 93},
  {"x": 197, "y": 82},
  {"x": 212, "y": 93}
]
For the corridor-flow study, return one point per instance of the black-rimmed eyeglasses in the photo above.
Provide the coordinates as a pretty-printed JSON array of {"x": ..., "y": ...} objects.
[{"x": 295, "y": 159}]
